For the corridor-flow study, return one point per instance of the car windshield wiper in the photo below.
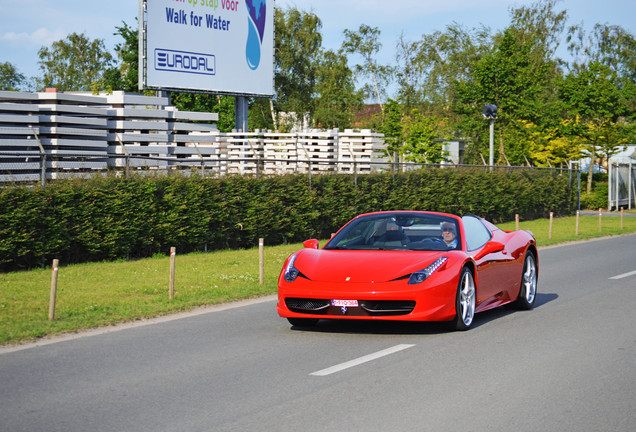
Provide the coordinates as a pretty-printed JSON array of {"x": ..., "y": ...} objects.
[{"x": 337, "y": 248}]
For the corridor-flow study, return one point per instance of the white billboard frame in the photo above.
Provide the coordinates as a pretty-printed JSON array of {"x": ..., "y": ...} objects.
[{"x": 207, "y": 46}]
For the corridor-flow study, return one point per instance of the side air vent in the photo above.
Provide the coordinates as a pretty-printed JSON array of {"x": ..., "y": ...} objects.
[
  {"x": 388, "y": 307},
  {"x": 312, "y": 306}
]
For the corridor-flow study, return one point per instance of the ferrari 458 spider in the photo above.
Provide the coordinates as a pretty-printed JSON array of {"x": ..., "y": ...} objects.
[{"x": 409, "y": 265}]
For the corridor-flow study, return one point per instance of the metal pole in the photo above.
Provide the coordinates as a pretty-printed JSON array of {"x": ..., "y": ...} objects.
[
  {"x": 609, "y": 187},
  {"x": 240, "y": 113},
  {"x": 630, "y": 185},
  {"x": 309, "y": 175},
  {"x": 617, "y": 175},
  {"x": 491, "y": 158},
  {"x": 355, "y": 173},
  {"x": 42, "y": 158}
]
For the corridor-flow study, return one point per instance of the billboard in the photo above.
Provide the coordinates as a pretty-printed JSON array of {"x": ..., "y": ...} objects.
[{"x": 220, "y": 46}]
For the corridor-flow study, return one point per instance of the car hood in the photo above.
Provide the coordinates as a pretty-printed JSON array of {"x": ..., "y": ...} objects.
[{"x": 361, "y": 266}]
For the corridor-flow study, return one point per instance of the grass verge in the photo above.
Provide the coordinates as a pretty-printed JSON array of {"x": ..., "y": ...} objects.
[{"x": 108, "y": 293}]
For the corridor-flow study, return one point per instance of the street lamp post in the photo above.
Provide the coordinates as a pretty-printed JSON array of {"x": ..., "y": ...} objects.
[{"x": 490, "y": 113}]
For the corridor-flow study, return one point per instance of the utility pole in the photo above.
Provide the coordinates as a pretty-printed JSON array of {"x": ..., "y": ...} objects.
[{"x": 490, "y": 113}]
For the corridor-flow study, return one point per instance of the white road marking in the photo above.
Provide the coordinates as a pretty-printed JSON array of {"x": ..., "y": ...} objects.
[
  {"x": 361, "y": 360},
  {"x": 624, "y": 275}
]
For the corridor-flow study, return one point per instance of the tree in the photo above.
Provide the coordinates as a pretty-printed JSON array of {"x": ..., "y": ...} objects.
[
  {"x": 75, "y": 64},
  {"x": 594, "y": 100},
  {"x": 542, "y": 25},
  {"x": 408, "y": 72},
  {"x": 365, "y": 42},
  {"x": 446, "y": 58},
  {"x": 420, "y": 133},
  {"x": 297, "y": 44},
  {"x": 503, "y": 77},
  {"x": 10, "y": 78},
  {"x": 392, "y": 127},
  {"x": 551, "y": 146},
  {"x": 611, "y": 46},
  {"x": 335, "y": 93},
  {"x": 126, "y": 76}
]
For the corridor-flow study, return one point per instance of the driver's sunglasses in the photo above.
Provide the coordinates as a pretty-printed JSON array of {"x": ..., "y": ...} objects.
[{"x": 447, "y": 230}]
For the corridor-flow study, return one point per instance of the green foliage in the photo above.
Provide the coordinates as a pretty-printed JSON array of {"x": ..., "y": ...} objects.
[
  {"x": 336, "y": 94},
  {"x": 114, "y": 218},
  {"x": 392, "y": 127},
  {"x": 419, "y": 134},
  {"x": 126, "y": 76},
  {"x": 75, "y": 64},
  {"x": 10, "y": 78},
  {"x": 297, "y": 43},
  {"x": 365, "y": 42}
]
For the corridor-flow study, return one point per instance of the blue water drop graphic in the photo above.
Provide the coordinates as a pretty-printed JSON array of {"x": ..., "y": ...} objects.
[{"x": 252, "y": 46}]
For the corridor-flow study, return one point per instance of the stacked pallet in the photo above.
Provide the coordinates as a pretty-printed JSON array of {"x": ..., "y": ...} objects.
[
  {"x": 280, "y": 152},
  {"x": 244, "y": 152},
  {"x": 363, "y": 148},
  {"x": 52, "y": 134},
  {"x": 70, "y": 130},
  {"x": 144, "y": 131},
  {"x": 77, "y": 133},
  {"x": 320, "y": 148}
]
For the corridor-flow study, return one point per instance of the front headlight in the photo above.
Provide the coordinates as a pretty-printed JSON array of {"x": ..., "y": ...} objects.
[
  {"x": 422, "y": 275},
  {"x": 291, "y": 272}
]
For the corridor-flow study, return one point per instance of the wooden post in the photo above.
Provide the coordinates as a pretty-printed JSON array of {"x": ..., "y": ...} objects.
[
  {"x": 550, "y": 230},
  {"x": 621, "y": 218},
  {"x": 600, "y": 220},
  {"x": 173, "y": 254},
  {"x": 261, "y": 261},
  {"x": 517, "y": 222},
  {"x": 53, "y": 290},
  {"x": 578, "y": 212}
]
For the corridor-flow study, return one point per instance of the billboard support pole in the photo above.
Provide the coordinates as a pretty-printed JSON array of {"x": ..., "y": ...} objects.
[{"x": 240, "y": 113}]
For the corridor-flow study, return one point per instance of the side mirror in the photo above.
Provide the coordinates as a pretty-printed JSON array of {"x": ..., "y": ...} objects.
[
  {"x": 311, "y": 244},
  {"x": 490, "y": 247}
]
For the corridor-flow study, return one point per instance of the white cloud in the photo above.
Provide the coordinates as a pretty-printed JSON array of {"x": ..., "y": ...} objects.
[{"x": 39, "y": 37}]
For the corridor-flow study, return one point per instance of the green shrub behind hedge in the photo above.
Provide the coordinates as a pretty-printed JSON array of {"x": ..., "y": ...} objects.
[{"x": 115, "y": 218}]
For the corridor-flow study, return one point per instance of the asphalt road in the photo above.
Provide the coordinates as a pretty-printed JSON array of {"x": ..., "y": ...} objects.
[{"x": 567, "y": 365}]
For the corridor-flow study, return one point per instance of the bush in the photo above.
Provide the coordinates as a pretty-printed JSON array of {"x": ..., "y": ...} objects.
[
  {"x": 597, "y": 199},
  {"x": 114, "y": 218}
]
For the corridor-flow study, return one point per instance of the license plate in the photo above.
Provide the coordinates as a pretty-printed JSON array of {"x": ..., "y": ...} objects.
[{"x": 344, "y": 303}]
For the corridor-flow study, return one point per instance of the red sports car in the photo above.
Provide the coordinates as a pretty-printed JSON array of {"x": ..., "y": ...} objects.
[{"x": 409, "y": 265}]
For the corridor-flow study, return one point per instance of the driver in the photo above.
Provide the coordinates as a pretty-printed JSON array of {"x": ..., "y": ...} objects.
[{"x": 449, "y": 235}]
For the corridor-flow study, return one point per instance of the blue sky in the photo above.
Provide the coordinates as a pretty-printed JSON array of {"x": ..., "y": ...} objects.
[{"x": 27, "y": 25}]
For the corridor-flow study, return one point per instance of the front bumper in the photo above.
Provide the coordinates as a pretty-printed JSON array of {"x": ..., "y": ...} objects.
[{"x": 431, "y": 300}]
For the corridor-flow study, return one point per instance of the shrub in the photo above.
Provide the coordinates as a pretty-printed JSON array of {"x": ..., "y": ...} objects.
[{"x": 113, "y": 218}]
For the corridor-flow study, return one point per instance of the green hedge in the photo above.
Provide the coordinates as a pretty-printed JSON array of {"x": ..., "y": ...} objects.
[{"x": 115, "y": 218}]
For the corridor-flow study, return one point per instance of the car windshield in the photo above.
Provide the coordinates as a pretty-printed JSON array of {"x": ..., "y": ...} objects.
[{"x": 398, "y": 231}]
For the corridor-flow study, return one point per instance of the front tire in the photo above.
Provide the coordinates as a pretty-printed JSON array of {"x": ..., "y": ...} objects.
[
  {"x": 465, "y": 301},
  {"x": 528, "y": 287}
]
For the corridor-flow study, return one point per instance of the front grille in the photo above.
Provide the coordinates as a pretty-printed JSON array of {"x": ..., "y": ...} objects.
[
  {"x": 303, "y": 305},
  {"x": 388, "y": 307},
  {"x": 367, "y": 307}
]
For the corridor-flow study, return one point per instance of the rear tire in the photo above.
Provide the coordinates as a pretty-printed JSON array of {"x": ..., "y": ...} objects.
[
  {"x": 528, "y": 287},
  {"x": 465, "y": 301},
  {"x": 303, "y": 322}
]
